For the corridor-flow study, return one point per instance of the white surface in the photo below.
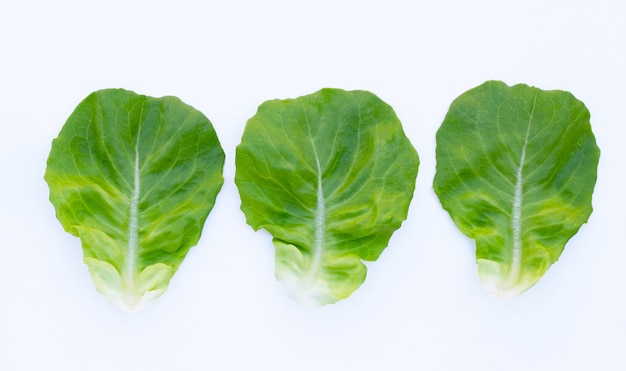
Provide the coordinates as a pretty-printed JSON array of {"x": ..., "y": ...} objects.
[{"x": 421, "y": 307}]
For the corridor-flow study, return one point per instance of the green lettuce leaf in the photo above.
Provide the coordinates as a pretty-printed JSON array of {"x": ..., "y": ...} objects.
[
  {"x": 134, "y": 177},
  {"x": 516, "y": 168},
  {"x": 330, "y": 175}
]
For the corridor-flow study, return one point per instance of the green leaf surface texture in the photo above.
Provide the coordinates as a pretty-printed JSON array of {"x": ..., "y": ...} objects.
[
  {"x": 330, "y": 176},
  {"x": 516, "y": 169},
  {"x": 134, "y": 177}
]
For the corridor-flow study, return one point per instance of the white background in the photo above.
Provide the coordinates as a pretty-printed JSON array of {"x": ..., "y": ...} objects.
[{"x": 421, "y": 307}]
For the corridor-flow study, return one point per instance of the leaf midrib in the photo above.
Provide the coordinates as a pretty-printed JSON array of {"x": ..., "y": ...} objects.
[
  {"x": 319, "y": 221},
  {"x": 130, "y": 263},
  {"x": 516, "y": 221},
  {"x": 133, "y": 229}
]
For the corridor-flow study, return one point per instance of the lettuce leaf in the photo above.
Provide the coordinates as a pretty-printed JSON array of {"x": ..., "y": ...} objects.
[
  {"x": 516, "y": 169},
  {"x": 330, "y": 175},
  {"x": 134, "y": 177}
]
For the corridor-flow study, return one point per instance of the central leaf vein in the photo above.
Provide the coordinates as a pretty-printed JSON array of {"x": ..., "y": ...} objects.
[
  {"x": 319, "y": 220},
  {"x": 320, "y": 216},
  {"x": 516, "y": 223},
  {"x": 130, "y": 266},
  {"x": 133, "y": 230}
]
